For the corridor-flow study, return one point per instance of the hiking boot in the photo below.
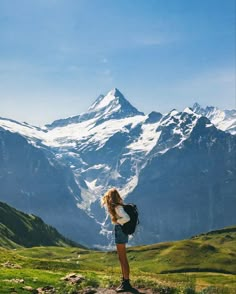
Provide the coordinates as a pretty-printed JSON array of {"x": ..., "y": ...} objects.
[{"x": 124, "y": 286}]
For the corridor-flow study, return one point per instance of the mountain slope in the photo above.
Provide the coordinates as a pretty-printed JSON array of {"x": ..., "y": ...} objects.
[
  {"x": 27, "y": 230},
  {"x": 208, "y": 252},
  {"x": 189, "y": 189},
  {"x": 212, "y": 251},
  {"x": 32, "y": 180}
]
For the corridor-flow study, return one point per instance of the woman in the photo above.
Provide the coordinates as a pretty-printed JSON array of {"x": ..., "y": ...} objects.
[{"x": 113, "y": 203}]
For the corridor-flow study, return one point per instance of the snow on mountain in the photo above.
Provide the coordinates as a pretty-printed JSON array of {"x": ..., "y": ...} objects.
[
  {"x": 114, "y": 101},
  {"x": 33, "y": 134},
  {"x": 190, "y": 188},
  {"x": 121, "y": 148},
  {"x": 88, "y": 132},
  {"x": 147, "y": 140},
  {"x": 109, "y": 145},
  {"x": 111, "y": 106},
  {"x": 113, "y": 142},
  {"x": 224, "y": 120}
]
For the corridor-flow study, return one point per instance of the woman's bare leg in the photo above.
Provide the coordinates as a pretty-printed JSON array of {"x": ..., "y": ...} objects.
[{"x": 121, "y": 250}]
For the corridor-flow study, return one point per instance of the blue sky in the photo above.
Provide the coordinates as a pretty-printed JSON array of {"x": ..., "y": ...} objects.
[{"x": 57, "y": 56}]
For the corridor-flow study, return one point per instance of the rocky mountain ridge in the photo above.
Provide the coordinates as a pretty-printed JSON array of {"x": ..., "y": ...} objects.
[{"x": 114, "y": 144}]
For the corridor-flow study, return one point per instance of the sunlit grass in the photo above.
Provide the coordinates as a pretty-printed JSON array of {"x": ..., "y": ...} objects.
[{"x": 204, "y": 263}]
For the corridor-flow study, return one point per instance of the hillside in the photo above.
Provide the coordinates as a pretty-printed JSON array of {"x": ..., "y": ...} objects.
[
  {"x": 203, "y": 264},
  {"x": 19, "y": 229},
  {"x": 210, "y": 252},
  {"x": 214, "y": 251}
]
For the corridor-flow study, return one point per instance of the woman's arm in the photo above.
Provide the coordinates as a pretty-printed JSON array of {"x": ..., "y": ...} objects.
[{"x": 123, "y": 217}]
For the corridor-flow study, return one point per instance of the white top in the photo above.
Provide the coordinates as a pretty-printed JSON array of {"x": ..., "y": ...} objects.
[{"x": 123, "y": 217}]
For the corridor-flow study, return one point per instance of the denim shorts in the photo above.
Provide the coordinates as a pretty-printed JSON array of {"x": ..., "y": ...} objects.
[{"x": 120, "y": 237}]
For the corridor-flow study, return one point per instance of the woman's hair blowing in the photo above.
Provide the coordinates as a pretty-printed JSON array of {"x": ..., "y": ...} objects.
[{"x": 111, "y": 199}]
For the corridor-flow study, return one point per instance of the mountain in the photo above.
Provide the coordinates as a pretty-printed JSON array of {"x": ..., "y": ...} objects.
[
  {"x": 32, "y": 180},
  {"x": 190, "y": 188},
  {"x": 224, "y": 120},
  {"x": 155, "y": 158},
  {"x": 19, "y": 229},
  {"x": 112, "y": 106}
]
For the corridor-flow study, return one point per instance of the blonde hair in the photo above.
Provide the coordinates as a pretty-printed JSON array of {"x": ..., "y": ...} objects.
[{"x": 111, "y": 199}]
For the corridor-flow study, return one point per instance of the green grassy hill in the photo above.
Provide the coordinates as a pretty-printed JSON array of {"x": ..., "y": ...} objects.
[
  {"x": 18, "y": 229},
  {"x": 211, "y": 252},
  {"x": 204, "y": 264}
]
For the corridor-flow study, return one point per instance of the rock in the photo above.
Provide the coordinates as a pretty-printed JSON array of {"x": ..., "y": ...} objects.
[
  {"x": 111, "y": 291},
  {"x": 28, "y": 288},
  {"x": 89, "y": 291},
  {"x": 17, "y": 281},
  {"x": 73, "y": 278},
  {"x": 105, "y": 291},
  {"x": 46, "y": 290},
  {"x": 8, "y": 264}
]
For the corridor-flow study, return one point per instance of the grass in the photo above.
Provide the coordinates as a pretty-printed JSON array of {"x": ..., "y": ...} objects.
[{"x": 203, "y": 264}]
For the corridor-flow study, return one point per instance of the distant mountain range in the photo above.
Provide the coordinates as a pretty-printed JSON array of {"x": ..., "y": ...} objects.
[
  {"x": 179, "y": 167},
  {"x": 224, "y": 120},
  {"x": 18, "y": 229}
]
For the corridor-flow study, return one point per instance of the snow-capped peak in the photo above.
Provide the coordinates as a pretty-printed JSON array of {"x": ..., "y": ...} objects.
[
  {"x": 207, "y": 111},
  {"x": 222, "y": 119},
  {"x": 102, "y": 101},
  {"x": 113, "y": 105},
  {"x": 112, "y": 97},
  {"x": 188, "y": 110},
  {"x": 113, "y": 101}
]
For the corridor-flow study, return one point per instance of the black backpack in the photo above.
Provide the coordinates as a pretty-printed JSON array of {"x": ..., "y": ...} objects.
[{"x": 129, "y": 227}]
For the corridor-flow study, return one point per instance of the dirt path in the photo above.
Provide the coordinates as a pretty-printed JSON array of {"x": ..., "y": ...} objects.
[{"x": 111, "y": 291}]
